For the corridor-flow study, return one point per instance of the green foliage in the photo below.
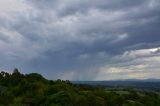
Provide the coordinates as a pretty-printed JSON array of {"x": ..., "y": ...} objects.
[{"x": 33, "y": 89}]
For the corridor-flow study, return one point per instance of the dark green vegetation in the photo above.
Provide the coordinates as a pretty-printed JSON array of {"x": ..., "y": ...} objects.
[{"x": 17, "y": 89}]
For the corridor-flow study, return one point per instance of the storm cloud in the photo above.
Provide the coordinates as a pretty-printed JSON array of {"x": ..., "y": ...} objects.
[{"x": 81, "y": 39}]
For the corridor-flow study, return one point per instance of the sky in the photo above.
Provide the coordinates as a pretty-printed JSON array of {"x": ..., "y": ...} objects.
[{"x": 81, "y": 39}]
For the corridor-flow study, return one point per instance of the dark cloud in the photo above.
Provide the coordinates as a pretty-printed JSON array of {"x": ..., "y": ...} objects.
[{"x": 77, "y": 39}]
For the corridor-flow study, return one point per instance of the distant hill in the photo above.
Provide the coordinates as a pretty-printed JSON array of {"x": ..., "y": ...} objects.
[{"x": 150, "y": 84}]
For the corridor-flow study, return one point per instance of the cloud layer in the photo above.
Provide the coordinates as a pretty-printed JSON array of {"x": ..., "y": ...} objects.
[{"x": 81, "y": 40}]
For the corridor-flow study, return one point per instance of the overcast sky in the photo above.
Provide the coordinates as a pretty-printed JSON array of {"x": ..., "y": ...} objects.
[{"x": 81, "y": 39}]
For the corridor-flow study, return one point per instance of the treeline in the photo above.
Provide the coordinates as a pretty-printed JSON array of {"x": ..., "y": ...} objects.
[{"x": 17, "y": 89}]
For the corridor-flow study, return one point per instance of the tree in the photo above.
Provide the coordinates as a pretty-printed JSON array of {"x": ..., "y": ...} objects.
[
  {"x": 16, "y": 71},
  {"x": 34, "y": 77},
  {"x": 16, "y": 76}
]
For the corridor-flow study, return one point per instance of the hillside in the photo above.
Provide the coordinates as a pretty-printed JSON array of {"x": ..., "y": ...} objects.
[
  {"x": 33, "y": 89},
  {"x": 147, "y": 84}
]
